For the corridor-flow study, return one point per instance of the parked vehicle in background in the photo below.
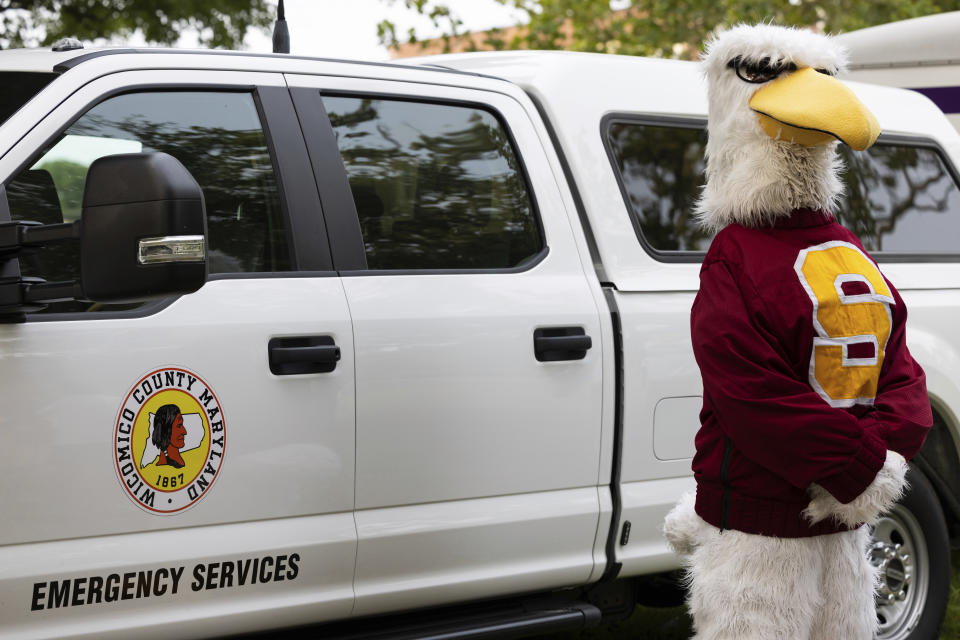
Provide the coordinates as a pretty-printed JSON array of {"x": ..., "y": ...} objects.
[
  {"x": 426, "y": 369},
  {"x": 922, "y": 54}
]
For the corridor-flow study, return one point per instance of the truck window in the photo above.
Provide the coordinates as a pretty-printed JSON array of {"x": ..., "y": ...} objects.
[
  {"x": 661, "y": 171},
  {"x": 436, "y": 186},
  {"x": 218, "y": 138},
  {"x": 18, "y": 88},
  {"x": 901, "y": 197}
]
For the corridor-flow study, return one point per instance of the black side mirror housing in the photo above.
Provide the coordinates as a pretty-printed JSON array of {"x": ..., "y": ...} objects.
[{"x": 143, "y": 229}]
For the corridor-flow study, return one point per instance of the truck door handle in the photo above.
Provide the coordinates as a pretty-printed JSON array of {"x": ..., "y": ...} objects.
[
  {"x": 302, "y": 354},
  {"x": 561, "y": 343}
]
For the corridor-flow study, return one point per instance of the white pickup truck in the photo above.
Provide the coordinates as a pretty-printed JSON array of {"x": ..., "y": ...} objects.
[{"x": 289, "y": 341}]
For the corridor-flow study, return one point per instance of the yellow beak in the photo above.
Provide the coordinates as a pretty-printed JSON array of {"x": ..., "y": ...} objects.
[{"x": 810, "y": 108}]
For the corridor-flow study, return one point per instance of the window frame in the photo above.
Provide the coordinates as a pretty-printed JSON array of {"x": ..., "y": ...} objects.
[
  {"x": 921, "y": 142},
  {"x": 686, "y": 257},
  {"x": 300, "y": 207},
  {"x": 681, "y": 257},
  {"x": 346, "y": 237},
  {"x": 35, "y": 75}
]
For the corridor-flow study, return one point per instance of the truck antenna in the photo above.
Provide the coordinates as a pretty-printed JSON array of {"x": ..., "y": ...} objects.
[{"x": 281, "y": 35}]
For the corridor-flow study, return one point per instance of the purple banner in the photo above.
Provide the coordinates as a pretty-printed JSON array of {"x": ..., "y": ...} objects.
[{"x": 947, "y": 98}]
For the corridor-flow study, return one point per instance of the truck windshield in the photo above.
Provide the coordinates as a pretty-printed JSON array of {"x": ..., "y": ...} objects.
[{"x": 18, "y": 88}]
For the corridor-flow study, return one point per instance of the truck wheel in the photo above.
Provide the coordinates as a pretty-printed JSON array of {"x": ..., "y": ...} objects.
[{"x": 912, "y": 551}]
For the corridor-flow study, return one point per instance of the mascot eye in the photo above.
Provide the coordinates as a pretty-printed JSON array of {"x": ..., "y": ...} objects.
[{"x": 759, "y": 72}]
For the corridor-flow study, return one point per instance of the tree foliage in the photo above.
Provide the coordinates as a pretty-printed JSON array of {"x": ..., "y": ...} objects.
[
  {"x": 220, "y": 23},
  {"x": 667, "y": 28}
]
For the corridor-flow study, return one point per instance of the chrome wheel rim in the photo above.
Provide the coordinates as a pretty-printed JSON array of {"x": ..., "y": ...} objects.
[{"x": 899, "y": 551}]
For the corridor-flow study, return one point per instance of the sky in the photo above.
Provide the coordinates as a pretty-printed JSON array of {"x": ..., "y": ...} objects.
[{"x": 348, "y": 28}]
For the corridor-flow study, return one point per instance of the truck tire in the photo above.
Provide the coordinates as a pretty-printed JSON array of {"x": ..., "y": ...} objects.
[{"x": 911, "y": 548}]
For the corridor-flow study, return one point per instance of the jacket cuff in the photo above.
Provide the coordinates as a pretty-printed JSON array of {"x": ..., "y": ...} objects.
[{"x": 860, "y": 471}]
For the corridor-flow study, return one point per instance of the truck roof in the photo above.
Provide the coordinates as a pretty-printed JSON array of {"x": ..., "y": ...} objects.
[
  {"x": 577, "y": 87},
  {"x": 45, "y": 60},
  {"x": 929, "y": 40},
  {"x": 673, "y": 87},
  {"x": 560, "y": 80}
]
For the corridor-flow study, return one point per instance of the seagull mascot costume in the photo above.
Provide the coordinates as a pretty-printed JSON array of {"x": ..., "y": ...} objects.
[{"x": 812, "y": 403}]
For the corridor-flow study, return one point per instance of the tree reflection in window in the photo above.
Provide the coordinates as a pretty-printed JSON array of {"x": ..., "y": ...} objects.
[
  {"x": 899, "y": 197},
  {"x": 662, "y": 172},
  {"x": 218, "y": 138},
  {"x": 435, "y": 186},
  {"x": 902, "y": 199}
]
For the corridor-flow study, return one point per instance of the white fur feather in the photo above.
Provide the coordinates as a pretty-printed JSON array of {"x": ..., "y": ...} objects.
[
  {"x": 746, "y": 586},
  {"x": 753, "y": 179},
  {"x": 682, "y": 527},
  {"x": 887, "y": 487}
]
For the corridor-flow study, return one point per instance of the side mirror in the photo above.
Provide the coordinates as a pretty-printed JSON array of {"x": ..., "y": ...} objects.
[{"x": 143, "y": 229}]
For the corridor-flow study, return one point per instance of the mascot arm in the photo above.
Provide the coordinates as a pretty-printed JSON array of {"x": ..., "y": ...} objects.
[
  {"x": 901, "y": 408},
  {"x": 773, "y": 418},
  {"x": 887, "y": 487},
  {"x": 901, "y": 415}
]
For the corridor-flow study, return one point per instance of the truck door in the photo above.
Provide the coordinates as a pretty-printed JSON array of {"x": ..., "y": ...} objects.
[
  {"x": 478, "y": 388},
  {"x": 478, "y": 393},
  {"x": 185, "y": 463}
]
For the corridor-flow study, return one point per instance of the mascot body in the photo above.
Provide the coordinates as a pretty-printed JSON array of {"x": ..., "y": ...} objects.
[{"x": 812, "y": 401}]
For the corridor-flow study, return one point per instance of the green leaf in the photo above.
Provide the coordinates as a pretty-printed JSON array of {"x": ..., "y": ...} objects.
[
  {"x": 666, "y": 28},
  {"x": 221, "y": 23}
]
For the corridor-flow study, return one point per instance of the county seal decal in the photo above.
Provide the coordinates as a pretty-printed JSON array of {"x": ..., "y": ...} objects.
[{"x": 169, "y": 440}]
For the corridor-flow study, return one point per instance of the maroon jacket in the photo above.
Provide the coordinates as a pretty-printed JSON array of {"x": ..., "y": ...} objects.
[{"x": 806, "y": 374}]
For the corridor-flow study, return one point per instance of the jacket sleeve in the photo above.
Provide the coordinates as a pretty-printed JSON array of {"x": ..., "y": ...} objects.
[
  {"x": 773, "y": 418},
  {"x": 901, "y": 411}
]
